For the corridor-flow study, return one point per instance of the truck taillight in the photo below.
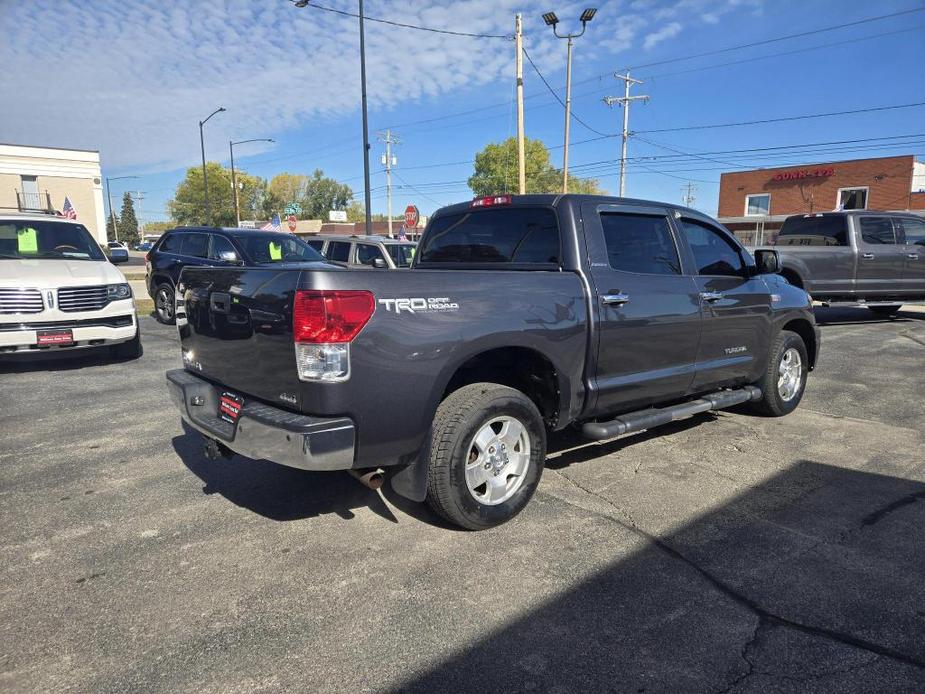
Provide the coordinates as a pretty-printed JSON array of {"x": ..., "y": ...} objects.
[
  {"x": 323, "y": 325},
  {"x": 491, "y": 201}
]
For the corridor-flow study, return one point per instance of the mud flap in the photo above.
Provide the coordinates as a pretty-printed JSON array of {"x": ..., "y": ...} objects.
[{"x": 410, "y": 481}]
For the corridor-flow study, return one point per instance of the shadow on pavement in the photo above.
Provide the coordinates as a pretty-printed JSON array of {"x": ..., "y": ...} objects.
[
  {"x": 275, "y": 491},
  {"x": 809, "y": 581},
  {"x": 84, "y": 358},
  {"x": 858, "y": 315}
]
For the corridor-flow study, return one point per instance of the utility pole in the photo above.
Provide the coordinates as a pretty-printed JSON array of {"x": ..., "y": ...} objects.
[
  {"x": 551, "y": 20},
  {"x": 687, "y": 196},
  {"x": 624, "y": 101},
  {"x": 139, "y": 214},
  {"x": 205, "y": 176},
  {"x": 367, "y": 196},
  {"x": 388, "y": 161},
  {"x": 521, "y": 154}
]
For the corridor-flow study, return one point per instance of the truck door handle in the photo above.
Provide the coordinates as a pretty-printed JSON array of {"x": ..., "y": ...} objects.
[
  {"x": 913, "y": 256},
  {"x": 615, "y": 299},
  {"x": 711, "y": 296},
  {"x": 868, "y": 256}
]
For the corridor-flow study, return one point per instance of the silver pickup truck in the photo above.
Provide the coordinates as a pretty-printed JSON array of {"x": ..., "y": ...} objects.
[{"x": 875, "y": 259}]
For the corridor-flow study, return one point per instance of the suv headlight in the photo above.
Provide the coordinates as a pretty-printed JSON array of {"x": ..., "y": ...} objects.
[{"x": 116, "y": 292}]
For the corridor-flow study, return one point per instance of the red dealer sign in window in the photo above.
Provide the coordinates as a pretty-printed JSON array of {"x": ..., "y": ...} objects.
[{"x": 804, "y": 173}]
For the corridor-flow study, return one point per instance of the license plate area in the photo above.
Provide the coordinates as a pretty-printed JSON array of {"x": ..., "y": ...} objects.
[
  {"x": 54, "y": 337},
  {"x": 229, "y": 407}
]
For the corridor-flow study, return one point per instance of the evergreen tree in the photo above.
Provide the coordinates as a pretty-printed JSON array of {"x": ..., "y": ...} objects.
[
  {"x": 128, "y": 222},
  {"x": 110, "y": 228}
]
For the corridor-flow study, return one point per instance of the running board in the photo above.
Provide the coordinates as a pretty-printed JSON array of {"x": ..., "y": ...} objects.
[{"x": 646, "y": 419}]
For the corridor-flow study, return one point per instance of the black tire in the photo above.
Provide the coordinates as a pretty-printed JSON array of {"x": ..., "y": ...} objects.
[
  {"x": 165, "y": 304},
  {"x": 773, "y": 403},
  {"x": 891, "y": 310},
  {"x": 468, "y": 412},
  {"x": 128, "y": 350}
]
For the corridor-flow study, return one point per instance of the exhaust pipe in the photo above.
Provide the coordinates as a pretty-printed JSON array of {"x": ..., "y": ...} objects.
[{"x": 369, "y": 477}]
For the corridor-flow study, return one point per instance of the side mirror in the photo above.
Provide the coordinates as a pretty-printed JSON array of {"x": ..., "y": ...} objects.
[
  {"x": 379, "y": 263},
  {"x": 229, "y": 257},
  {"x": 767, "y": 261}
]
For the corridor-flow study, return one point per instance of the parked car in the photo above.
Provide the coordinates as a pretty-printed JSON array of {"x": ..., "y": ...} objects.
[
  {"x": 116, "y": 252},
  {"x": 146, "y": 246},
  {"x": 203, "y": 246},
  {"x": 58, "y": 292},
  {"x": 365, "y": 252},
  {"x": 520, "y": 315},
  {"x": 876, "y": 259}
]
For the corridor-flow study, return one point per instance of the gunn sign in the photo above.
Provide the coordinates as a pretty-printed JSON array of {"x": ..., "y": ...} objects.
[{"x": 804, "y": 173}]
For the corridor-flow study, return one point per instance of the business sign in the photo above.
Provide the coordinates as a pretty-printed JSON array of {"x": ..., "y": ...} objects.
[
  {"x": 293, "y": 208},
  {"x": 247, "y": 224},
  {"x": 292, "y": 221},
  {"x": 804, "y": 173},
  {"x": 337, "y": 216},
  {"x": 412, "y": 217}
]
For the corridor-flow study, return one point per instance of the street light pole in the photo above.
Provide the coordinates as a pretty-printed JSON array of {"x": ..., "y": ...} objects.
[
  {"x": 234, "y": 180},
  {"x": 205, "y": 178},
  {"x": 112, "y": 212},
  {"x": 552, "y": 20},
  {"x": 367, "y": 196}
]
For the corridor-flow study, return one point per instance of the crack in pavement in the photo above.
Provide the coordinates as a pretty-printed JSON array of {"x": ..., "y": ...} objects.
[
  {"x": 735, "y": 596},
  {"x": 912, "y": 337}
]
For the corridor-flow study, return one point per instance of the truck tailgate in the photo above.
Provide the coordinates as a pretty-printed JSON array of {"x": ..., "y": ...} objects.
[{"x": 238, "y": 329}]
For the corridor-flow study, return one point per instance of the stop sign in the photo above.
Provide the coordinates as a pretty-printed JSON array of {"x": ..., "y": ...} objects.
[
  {"x": 292, "y": 222},
  {"x": 412, "y": 216}
]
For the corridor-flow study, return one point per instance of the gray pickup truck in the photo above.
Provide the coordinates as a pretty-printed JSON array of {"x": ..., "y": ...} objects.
[
  {"x": 876, "y": 259},
  {"x": 520, "y": 315}
]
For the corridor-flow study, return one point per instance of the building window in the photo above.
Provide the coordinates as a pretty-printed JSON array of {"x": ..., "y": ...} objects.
[
  {"x": 852, "y": 199},
  {"x": 757, "y": 205}
]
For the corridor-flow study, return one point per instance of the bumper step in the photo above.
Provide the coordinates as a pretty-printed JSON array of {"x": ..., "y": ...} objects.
[{"x": 646, "y": 419}]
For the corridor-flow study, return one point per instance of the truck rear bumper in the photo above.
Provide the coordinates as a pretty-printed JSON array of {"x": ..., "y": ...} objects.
[{"x": 264, "y": 432}]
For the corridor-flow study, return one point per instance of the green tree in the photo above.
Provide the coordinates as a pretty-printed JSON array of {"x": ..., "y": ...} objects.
[
  {"x": 495, "y": 171},
  {"x": 110, "y": 228},
  {"x": 357, "y": 213},
  {"x": 323, "y": 194},
  {"x": 158, "y": 227},
  {"x": 188, "y": 204},
  {"x": 128, "y": 222}
]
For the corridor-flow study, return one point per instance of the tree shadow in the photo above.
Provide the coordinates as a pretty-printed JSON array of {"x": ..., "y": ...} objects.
[
  {"x": 83, "y": 358},
  {"x": 276, "y": 491},
  {"x": 810, "y": 580}
]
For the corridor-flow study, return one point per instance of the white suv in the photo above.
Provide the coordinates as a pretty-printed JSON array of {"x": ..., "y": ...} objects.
[{"x": 59, "y": 292}]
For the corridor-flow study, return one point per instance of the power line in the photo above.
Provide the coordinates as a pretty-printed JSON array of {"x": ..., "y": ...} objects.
[
  {"x": 779, "y": 38},
  {"x": 402, "y": 25},
  {"x": 779, "y": 120},
  {"x": 553, "y": 92}
]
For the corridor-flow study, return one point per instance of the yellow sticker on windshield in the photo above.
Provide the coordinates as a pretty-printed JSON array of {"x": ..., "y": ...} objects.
[
  {"x": 276, "y": 251},
  {"x": 27, "y": 241}
]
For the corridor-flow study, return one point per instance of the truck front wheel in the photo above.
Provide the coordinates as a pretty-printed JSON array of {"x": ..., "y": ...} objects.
[
  {"x": 784, "y": 378},
  {"x": 488, "y": 446}
]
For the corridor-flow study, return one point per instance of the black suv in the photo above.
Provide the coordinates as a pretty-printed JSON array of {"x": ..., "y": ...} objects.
[{"x": 215, "y": 246}]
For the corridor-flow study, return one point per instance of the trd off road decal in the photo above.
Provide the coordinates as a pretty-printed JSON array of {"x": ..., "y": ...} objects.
[{"x": 420, "y": 305}]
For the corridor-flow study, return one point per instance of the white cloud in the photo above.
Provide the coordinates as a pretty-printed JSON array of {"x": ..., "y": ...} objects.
[
  {"x": 666, "y": 32},
  {"x": 133, "y": 79}
]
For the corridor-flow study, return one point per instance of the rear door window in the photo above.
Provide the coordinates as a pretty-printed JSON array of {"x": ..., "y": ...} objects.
[
  {"x": 195, "y": 245},
  {"x": 317, "y": 244},
  {"x": 640, "y": 243},
  {"x": 877, "y": 230},
  {"x": 516, "y": 235},
  {"x": 339, "y": 251},
  {"x": 814, "y": 230}
]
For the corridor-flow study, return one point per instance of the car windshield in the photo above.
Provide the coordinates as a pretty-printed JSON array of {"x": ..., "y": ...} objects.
[
  {"x": 269, "y": 247},
  {"x": 27, "y": 238},
  {"x": 402, "y": 253}
]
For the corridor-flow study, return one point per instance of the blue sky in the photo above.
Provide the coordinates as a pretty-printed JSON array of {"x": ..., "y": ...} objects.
[{"x": 133, "y": 79}]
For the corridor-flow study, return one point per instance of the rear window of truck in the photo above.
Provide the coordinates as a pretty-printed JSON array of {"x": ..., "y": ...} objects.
[
  {"x": 823, "y": 230},
  {"x": 511, "y": 235}
]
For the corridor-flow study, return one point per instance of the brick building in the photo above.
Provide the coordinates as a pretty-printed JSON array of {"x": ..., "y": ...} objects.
[{"x": 755, "y": 203}]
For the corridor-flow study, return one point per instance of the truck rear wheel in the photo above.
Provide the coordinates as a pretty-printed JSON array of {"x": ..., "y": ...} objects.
[
  {"x": 488, "y": 446},
  {"x": 784, "y": 379}
]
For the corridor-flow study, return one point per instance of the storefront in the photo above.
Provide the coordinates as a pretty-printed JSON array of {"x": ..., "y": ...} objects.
[{"x": 754, "y": 204}]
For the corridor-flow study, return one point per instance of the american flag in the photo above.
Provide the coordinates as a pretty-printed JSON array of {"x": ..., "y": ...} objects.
[
  {"x": 273, "y": 224},
  {"x": 68, "y": 211}
]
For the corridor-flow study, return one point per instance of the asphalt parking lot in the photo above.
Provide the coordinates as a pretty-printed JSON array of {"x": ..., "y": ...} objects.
[{"x": 726, "y": 553}]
